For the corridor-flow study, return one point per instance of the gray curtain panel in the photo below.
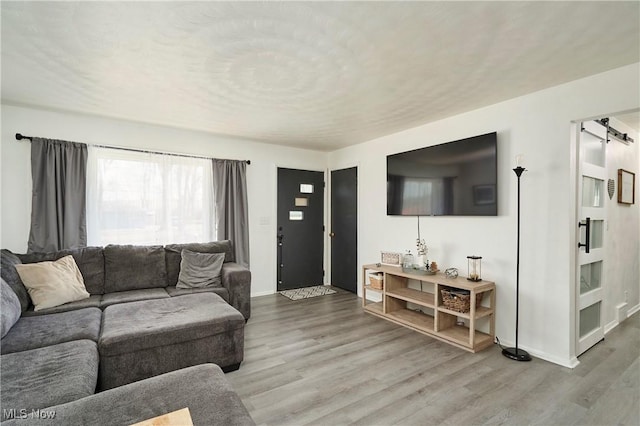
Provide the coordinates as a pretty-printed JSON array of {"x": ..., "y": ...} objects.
[
  {"x": 58, "y": 208},
  {"x": 232, "y": 212}
]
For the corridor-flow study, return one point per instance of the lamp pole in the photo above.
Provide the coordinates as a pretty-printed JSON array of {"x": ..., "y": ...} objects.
[{"x": 515, "y": 353}]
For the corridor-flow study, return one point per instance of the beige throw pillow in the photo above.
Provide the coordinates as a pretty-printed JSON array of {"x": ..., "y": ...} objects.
[{"x": 53, "y": 283}]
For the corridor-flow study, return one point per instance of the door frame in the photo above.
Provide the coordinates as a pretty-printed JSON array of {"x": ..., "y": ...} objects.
[
  {"x": 341, "y": 166},
  {"x": 273, "y": 231}
]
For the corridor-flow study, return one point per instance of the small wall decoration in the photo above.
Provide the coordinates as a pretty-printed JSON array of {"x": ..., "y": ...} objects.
[
  {"x": 391, "y": 258},
  {"x": 626, "y": 187},
  {"x": 611, "y": 188}
]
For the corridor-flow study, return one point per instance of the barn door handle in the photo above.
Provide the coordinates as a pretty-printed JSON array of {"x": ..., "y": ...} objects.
[{"x": 587, "y": 243}]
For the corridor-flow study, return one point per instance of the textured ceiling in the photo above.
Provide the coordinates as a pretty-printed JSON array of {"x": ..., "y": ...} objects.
[{"x": 312, "y": 75}]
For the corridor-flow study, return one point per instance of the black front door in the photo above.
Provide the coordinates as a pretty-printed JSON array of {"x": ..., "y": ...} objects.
[
  {"x": 300, "y": 228},
  {"x": 344, "y": 229}
]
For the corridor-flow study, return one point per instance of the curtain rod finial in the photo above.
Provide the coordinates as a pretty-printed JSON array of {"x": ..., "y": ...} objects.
[{"x": 18, "y": 136}]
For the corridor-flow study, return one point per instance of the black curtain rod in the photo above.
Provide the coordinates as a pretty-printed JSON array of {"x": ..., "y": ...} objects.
[
  {"x": 20, "y": 136},
  {"x": 615, "y": 133}
]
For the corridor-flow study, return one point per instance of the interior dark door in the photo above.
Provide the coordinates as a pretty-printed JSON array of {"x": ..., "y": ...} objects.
[
  {"x": 300, "y": 228},
  {"x": 344, "y": 229}
]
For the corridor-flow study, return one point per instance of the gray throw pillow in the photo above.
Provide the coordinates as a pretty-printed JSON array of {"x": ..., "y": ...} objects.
[
  {"x": 10, "y": 309},
  {"x": 198, "y": 270}
]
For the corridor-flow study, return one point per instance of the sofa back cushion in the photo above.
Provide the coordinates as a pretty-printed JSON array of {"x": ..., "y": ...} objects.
[
  {"x": 10, "y": 309},
  {"x": 128, "y": 267},
  {"x": 10, "y": 275},
  {"x": 90, "y": 261},
  {"x": 173, "y": 255}
]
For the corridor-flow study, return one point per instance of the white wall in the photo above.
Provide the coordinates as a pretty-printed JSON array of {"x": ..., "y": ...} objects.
[
  {"x": 261, "y": 174},
  {"x": 621, "y": 242},
  {"x": 538, "y": 126}
]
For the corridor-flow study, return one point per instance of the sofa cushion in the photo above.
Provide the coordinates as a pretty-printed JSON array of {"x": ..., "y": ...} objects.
[
  {"x": 90, "y": 261},
  {"x": 53, "y": 283},
  {"x": 48, "y": 376},
  {"x": 92, "y": 302},
  {"x": 47, "y": 330},
  {"x": 10, "y": 309},
  {"x": 128, "y": 267},
  {"x": 132, "y": 296},
  {"x": 220, "y": 291},
  {"x": 10, "y": 275},
  {"x": 148, "y": 338},
  {"x": 203, "y": 389},
  {"x": 129, "y": 327},
  {"x": 198, "y": 270},
  {"x": 173, "y": 255}
]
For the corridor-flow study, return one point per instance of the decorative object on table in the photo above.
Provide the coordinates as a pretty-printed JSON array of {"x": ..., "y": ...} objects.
[
  {"x": 451, "y": 273},
  {"x": 421, "y": 250},
  {"x": 407, "y": 261},
  {"x": 611, "y": 188},
  {"x": 515, "y": 353},
  {"x": 474, "y": 268},
  {"x": 458, "y": 300},
  {"x": 433, "y": 267},
  {"x": 390, "y": 258},
  {"x": 626, "y": 187},
  {"x": 376, "y": 281}
]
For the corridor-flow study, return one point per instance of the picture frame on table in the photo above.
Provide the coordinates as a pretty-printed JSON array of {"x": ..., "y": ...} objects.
[{"x": 390, "y": 258}]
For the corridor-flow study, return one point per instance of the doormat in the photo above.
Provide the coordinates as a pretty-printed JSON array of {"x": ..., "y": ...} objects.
[{"x": 307, "y": 292}]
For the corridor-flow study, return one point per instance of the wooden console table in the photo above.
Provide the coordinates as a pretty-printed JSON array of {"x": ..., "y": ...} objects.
[{"x": 422, "y": 309}]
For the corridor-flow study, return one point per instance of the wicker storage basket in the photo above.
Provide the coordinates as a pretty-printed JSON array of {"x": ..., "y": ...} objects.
[
  {"x": 376, "y": 281},
  {"x": 459, "y": 300}
]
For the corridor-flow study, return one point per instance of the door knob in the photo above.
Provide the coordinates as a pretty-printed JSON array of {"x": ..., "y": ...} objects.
[{"x": 332, "y": 234}]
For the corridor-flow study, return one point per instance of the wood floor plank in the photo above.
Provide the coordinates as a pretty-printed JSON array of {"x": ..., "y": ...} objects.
[{"x": 324, "y": 361}]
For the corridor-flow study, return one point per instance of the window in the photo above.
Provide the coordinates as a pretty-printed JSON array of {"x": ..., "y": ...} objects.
[{"x": 144, "y": 198}]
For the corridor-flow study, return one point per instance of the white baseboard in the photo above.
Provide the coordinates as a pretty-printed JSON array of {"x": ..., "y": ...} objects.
[
  {"x": 564, "y": 362},
  {"x": 633, "y": 310},
  {"x": 262, "y": 293},
  {"x": 608, "y": 327},
  {"x": 615, "y": 323}
]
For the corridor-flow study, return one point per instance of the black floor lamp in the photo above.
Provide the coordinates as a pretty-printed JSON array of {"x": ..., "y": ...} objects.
[{"x": 515, "y": 353}]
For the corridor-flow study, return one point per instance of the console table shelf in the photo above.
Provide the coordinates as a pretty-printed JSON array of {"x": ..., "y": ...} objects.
[{"x": 405, "y": 306}]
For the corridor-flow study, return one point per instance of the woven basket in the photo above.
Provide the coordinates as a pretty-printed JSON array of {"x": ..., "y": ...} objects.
[
  {"x": 376, "y": 281},
  {"x": 459, "y": 300}
]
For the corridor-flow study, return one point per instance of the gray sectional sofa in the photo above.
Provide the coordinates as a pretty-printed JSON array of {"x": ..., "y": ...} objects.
[{"x": 138, "y": 339}]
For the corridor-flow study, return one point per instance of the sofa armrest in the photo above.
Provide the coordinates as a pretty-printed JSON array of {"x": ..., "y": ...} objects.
[{"x": 237, "y": 280}]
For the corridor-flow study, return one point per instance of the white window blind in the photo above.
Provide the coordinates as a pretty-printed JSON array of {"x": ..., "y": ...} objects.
[{"x": 146, "y": 198}]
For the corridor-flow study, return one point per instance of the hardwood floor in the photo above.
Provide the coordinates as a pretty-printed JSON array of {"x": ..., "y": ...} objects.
[{"x": 324, "y": 361}]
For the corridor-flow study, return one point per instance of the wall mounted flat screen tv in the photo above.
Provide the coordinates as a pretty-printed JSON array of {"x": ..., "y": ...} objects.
[{"x": 457, "y": 178}]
